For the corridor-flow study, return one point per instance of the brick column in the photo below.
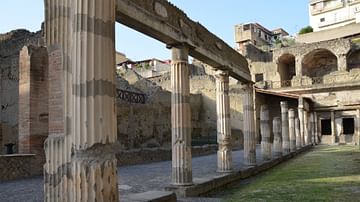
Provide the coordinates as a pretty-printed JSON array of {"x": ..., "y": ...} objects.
[
  {"x": 224, "y": 154},
  {"x": 180, "y": 118},
  {"x": 333, "y": 127},
  {"x": 249, "y": 126},
  {"x": 292, "y": 130},
  {"x": 265, "y": 132},
  {"x": 277, "y": 137},
  {"x": 33, "y": 101},
  {"x": 297, "y": 133},
  {"x": 285, "y": 128}
]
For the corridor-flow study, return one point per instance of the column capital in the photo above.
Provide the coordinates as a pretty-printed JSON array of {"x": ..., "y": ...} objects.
[
  {"x": 247, "y": 87},
  {"x": 222, "y": 75}
]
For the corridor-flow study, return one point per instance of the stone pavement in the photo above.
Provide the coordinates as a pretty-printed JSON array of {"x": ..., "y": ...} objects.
[{"x": 133, "y": 179}]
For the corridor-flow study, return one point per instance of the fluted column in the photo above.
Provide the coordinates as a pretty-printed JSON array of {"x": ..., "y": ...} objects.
[
  {"x": 333, "y": 127},
  {"x": 285, "y": 128},
  {"x": 292, "y": 130},
  {"x": 249, "y": 126},
  {"x": 265, "y": 132},
  {"x": 180, "y": 117},
  {"x": 277, "y": 137},
  {"x": 301, "y": 125},
  {"x": 306, "y": 128},
  {"x": 224, "y": 154},
  {"x": 93, "y": 123},
  {"x": 312, "y": 128},
  {"x": 297, "y": 133}
]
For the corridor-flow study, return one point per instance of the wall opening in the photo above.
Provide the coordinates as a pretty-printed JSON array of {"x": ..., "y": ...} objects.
[
  {"x": 348, "y": 126},
  {"x": 286, "y": 68},
  {"x": 326, "y": 127},
  {"x": 353, "y": 60},
  {"x": 319, "y": 63}
]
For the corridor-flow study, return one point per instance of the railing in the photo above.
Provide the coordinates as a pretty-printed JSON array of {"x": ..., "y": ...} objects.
[
  {"x": 286, "y": 83},
  {"x": 130, "y": 97},
  {"x": 317, "y": 80}
]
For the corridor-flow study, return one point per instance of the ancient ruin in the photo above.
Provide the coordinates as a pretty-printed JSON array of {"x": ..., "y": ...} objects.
[{"x": 74, "y": 114}]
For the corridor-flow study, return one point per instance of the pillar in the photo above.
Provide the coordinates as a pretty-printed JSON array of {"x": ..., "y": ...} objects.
[
  {"x": 277, "y": 137},
  {"x": 301, "y": 125},
  {"x": 333, "y": 127},
  {"x": 342, "y": 62},
  {"x": 285, "y": 128},
  {"x": 358, "y": 126},
  {"x": 249, "y": 126},
  {"x": 224, "y": 154},
  {"x": 298, "y": 66},
  {"x": 93, "y": 118},
  {"x": 316, "y": 127},
  {"x": 306, "y": 128},
  {"x": 180, "y": 117},
  {"x": 312, "y": 128},
  {"x": 292, "y": 130},
  {"x": 297, "y": 133},
  {"x": 265, "y": 132}
]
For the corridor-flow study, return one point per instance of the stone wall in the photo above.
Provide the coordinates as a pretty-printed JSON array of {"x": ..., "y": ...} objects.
[
  {"x": 10, "y": 45},
  {"x": 18, "y": 166}
]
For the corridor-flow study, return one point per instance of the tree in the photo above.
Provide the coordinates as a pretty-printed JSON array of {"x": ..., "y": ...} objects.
[{"x": 305, "y": 30}]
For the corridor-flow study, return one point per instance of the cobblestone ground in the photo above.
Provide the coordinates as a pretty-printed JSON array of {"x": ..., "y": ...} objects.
[{"x": 133, "y": 179}]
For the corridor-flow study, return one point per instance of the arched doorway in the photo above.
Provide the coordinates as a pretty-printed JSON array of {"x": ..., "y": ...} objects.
[
  {"x": 319, "y": 63},
  {"x": 286, "y": 69},
  {"x": 353, "y": 60}
]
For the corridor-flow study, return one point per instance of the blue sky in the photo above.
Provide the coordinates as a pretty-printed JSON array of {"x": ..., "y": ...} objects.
[{"x": 218, "y": 16}]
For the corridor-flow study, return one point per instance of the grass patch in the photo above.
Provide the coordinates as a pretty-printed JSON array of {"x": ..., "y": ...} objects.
[{"x": 328, "y": 173}]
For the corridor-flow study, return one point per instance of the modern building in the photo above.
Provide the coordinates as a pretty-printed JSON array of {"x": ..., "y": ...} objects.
[
  {"x": 327, "y": 14},
  {"x": 147, "y": 68},
  {"x": 256, "y": 34}
]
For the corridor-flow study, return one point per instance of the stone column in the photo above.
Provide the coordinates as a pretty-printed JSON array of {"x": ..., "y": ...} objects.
[
  {"x": 298, "y": 66},
  {"x": 306, "y": 128},
  {"x": 301, "y": 125},
  {"x": 224, "y": 154},
  {"x": 93, "y": 119},
  {"x": 333, "y": 127},
  {"x": 312, "y": 129},
  {"x": 180, "y": 117},
  {"x": 316, "y": 127},
  {"x": 277, "y": 137},
  {"x": 292, "y": 130},
  {"x": 285, "y": 128},
  {"x": 297, "y": 133},
  {"x": 265, "y": 132},
  {"x": 342, "y": 62},
  {"x": 249, "y": 126},
  {"x": 358, "y": 126}
]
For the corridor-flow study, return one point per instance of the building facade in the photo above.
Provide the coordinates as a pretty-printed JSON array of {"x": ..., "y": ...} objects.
[{"x": 327, "y": 14}]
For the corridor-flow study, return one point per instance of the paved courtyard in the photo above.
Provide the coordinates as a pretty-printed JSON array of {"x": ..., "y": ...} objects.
[{"x": 133, "y": 179}]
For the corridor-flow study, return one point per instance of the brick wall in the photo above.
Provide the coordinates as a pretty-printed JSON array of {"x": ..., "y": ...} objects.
[{"x": 33, "y": 100}]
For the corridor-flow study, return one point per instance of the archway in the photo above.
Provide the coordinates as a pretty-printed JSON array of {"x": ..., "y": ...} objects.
[
  {"x": 353, "y": 60},
  {"x": 286, "y": 68},
  {"x": 319, "y": 63}
]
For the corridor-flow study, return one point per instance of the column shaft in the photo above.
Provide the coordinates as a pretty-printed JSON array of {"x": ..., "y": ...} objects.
[
  {"x": 306, "y": 128},
  {"x": 292, "y": 130},
  {"x": 358, "y": 126},
  {"x": 312, "y": 128},
  {"x": 277, "y": 137},
  {"x": 180, "y": 118},
  {"x": 301, "y": 124},
  {"x": 224, "y": 154},
  {"x": 333, "y": 127},
  {"x": 316, "y": 128},
  {"x": 249, "y": 126},
  {"x": 285, "y": 128},
  {"x": 297, "y": 133},
  {"x": 265, "y": 132},
  {"x": 93, "y": 120}
]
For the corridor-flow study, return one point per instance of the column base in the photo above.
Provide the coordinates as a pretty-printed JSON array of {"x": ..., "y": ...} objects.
[
  {"x": 224, "y": 171},
  {"x": 182, "y": 184}
]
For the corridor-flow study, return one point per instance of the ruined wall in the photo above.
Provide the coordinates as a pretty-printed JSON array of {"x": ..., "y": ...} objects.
[{"x": 10, "y": 46}]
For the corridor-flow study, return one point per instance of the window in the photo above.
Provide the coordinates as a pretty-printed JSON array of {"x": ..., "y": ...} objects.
[
  {"x": 348, "y": 126},
  {"x": 322, "y": 19},
  {"x": 246, "y": 27},
  {"x": 259, "y": 77},
  {"x": 326, "y": 127}
]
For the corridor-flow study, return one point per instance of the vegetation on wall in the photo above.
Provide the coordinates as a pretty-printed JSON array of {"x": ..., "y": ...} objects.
[{"x": 305, "y": 30}]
